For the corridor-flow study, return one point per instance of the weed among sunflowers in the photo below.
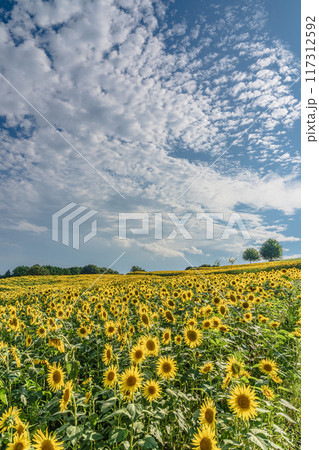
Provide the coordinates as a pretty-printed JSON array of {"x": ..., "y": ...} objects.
[{"x": 189, "y": 360}]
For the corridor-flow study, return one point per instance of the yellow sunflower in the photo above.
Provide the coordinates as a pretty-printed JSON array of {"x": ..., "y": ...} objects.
[
  {"x": 167, "y": 336},
  {"x": 41, "y": 331},
  {"x": 55, "y": 377},
  {"x": 66, "y": 396},
  {"x": 208, "y": 414},
  {"x": 21, "y": 428},
  {"x": 166, "y": 367},
  {"x": 46, "y": 441},
  {"x": 152, "y": 390},
  {"x": 216, "y": 322},
  {"x": 178, "y": 339},
  {"x": 268, "y": 392},
  {"x": 110, "y": 328},
  {"x": 206, "y": 324},
  {"x": 204, "y": 439},
  {"x": 20, "y": 442},
  {"x": 110, "y": 376},
  {"x": 268, "y": 367},
  {"x": 107, "y": 354},
  {"x": 168, "y": 315},
  {"x": 193, "y": 336},
  {"x": 234, "y": 367},
  {"x": 243, "y": 402},
  {"x": 130, "y": 380},
  {"x": 151, "y": 345},
  {"x": 206, "y": 368},
  {"x": 145, "y": 320},
  {"x": 28, "y": 341},
  {"x": 138, "y": 354},
  {"x": 83, "y": 331}
]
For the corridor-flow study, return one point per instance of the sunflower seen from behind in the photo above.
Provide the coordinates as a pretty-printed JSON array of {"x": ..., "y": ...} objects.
[{"x": 9, "y": 418}]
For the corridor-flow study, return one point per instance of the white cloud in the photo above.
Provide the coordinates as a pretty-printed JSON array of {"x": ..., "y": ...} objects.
[{"x": 104, "y": 74}]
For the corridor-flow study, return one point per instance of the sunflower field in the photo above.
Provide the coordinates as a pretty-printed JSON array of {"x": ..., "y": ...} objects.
[{"x": 190, "y": 361}]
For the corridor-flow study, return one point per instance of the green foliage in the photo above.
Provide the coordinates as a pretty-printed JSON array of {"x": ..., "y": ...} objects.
[
  {"x": 271, "y": 250},
  {"x": 251, "y": 254},
  {"x": 24, "y": 271},
  {"x": 136, "y": 269}
]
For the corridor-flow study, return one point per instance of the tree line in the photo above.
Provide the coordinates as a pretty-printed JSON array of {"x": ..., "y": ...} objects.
[
  {"x": 36, "y": 269},
  {"x": 270, "y": 250}
]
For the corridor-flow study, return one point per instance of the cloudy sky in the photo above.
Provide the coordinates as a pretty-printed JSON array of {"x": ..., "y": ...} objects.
[{"x": 158, "y": 107}]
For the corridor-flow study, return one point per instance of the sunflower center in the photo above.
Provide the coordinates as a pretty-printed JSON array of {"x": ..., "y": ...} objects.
[
  {"x": 145, "y": 319},
  {"x": 47, "y": 445},
  {"x": 18, "y": 446},
  {"x": 267, "y": 367},
  {"x": 166, "y": 336},
  {"x": 56, "y": 376},
  {"x": 131, "y": 381},
  {"x": 205, "y": 444},
  {"x": 235, "y": 368},
  {"x": 82, "y": 330},
  {"x": 111, "y": 329},
  {"x": 14, "y": 322},
  {"x": 150, "y": 345},
  {"x": 151, "y": 390},
  {"x": 138, "y": 354},
  {"x": 166, "y": 367},
  {"x": 192, "y": 335},
  {"x": 209, "y": 415},
  {"x": 20, "y": 429},
  {"x": 108, "y": 354},
  {"x": 66, "y": 395},
  {"x": 111, "y": 376},
  {"x": 243, "y": 402}
]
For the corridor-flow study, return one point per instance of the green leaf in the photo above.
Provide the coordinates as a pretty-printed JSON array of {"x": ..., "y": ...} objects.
[
  {"x": 286, "y": 417},
  {"x": 95, "y": 436},
  {"x": 256, "y": 440},
  {"x": 118, "y": 435},
  {"x": 74, "y": 433},
  {"x": 147, "y": 442},
  {"x": 287, "y": 404},
  {"x": 131, "y": 410},
  {"x": 108, "y": 404},
  {"x": 72, "y": 369},
  {"x": 3, "y": 396}
]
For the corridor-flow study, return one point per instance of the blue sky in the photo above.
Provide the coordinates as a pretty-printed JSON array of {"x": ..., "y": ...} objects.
[{"x": 179, "y": 107}]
